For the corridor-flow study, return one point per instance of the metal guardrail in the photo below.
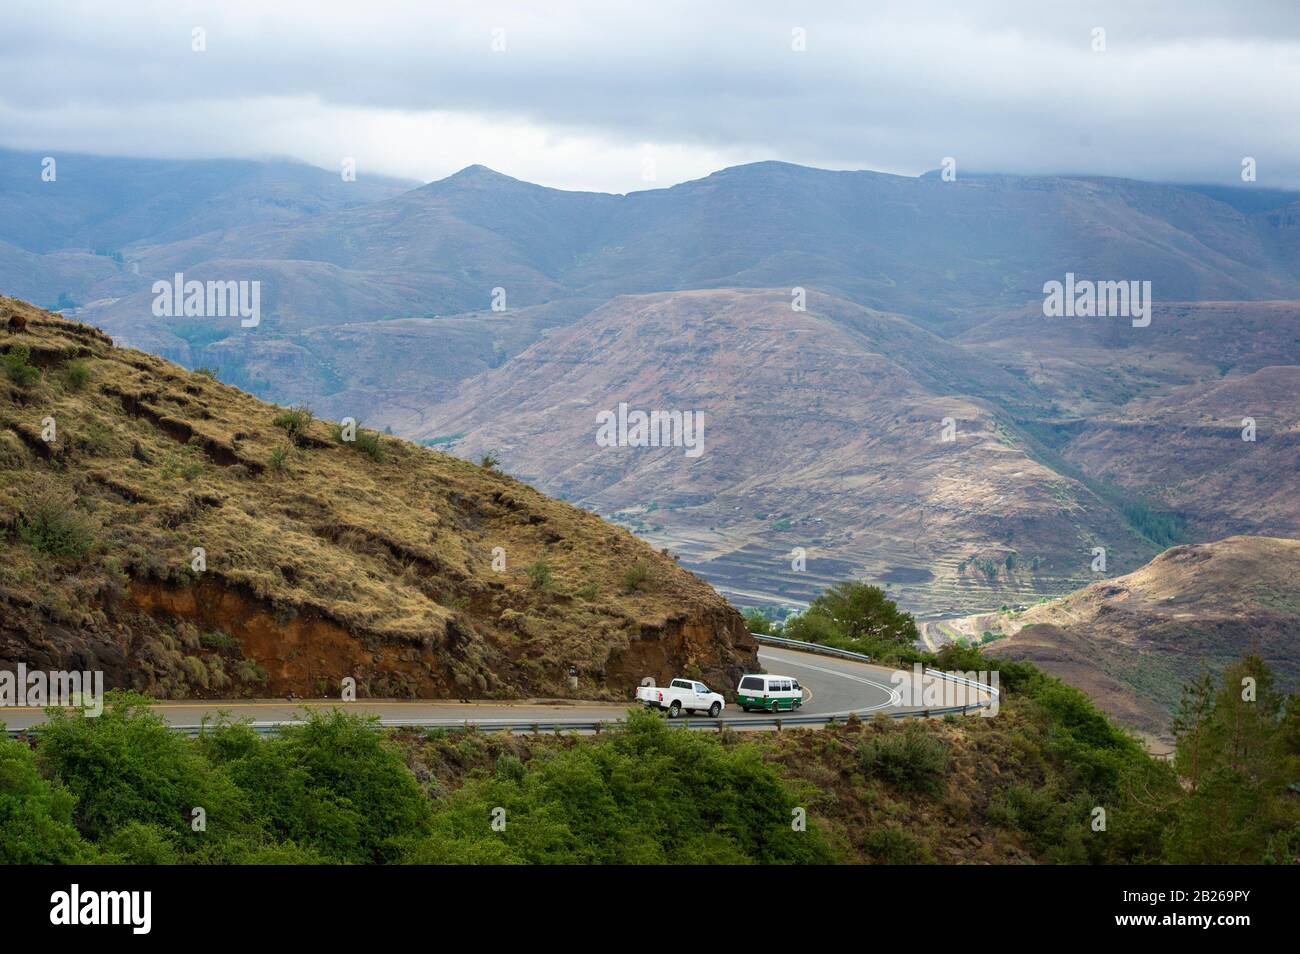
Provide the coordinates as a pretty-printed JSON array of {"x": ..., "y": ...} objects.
[
  {"x": 803, "y": 647},
  {"x": 595, "y": 727},
  {"x": 580, "y": 725},
  {"x": 810, "y": 647}
]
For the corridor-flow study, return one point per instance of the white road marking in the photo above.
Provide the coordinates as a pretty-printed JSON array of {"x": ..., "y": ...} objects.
[{"x": 895, "y": 698}]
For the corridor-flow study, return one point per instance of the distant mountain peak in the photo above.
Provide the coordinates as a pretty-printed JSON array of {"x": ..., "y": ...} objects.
[{"x": 478, "y": 173}]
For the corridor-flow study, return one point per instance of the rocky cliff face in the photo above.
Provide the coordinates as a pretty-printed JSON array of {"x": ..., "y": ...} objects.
[{"x": 190, "y": 540}]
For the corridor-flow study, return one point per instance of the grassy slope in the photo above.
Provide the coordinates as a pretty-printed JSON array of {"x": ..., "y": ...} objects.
[{"x": 339, "y": 563}]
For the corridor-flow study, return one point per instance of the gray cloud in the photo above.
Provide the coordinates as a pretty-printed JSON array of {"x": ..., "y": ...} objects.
[{"x": 585, "y": 91}]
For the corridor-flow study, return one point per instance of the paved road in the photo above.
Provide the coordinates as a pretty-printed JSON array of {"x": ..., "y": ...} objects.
[{"x": 831, "y": 687}]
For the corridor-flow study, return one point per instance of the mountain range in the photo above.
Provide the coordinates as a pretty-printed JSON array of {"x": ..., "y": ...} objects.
[{"x": 480, "y": 313}]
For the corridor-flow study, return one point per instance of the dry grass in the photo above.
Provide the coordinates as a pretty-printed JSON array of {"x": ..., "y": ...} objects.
[{"x": 395, "y": 547}]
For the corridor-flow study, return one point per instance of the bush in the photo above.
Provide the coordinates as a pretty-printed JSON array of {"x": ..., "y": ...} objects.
[
  {"x": 636, "y": 577},
  {"x": 127, "y": 765},
  {"x": 196, "y": 673},
  {"x": 137, "y": 843},
  {"x": 35, "y": 814},
  {"x": 334, "y": 786},
  {"x": 248, "y": 671},
  {"x": 643, "y": 794},
  {"x": 278, "y": 461},
  {"x": 294, "y": 421},
  {"x": 218, "y": 639},
  {"x": 368, "y": 443},
  {"x": 53, "y": 525},
  {"x": 490, "y": 461},
  {"x": 910, "y": 758},
  {"x": 893, "y": 846},
  {"x": 16, "y": 364},
  {"x": 539, "y": 572},
  {"x": 78, "y": 375}
]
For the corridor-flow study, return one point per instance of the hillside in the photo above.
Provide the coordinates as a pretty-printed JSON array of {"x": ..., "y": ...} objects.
[
  {"x": 1132, "y": 642},
  {"x": 823, "y": 430},
  {"x": 1157, "y": 414},
  {"x": 324, "y": 560}
]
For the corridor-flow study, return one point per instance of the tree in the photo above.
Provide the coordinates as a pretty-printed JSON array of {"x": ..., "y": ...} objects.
[
  {"x": 1240, "y": 808},
  {"x": 857, "y": 612},
  {"x": 1189, "y": 725},
  {"x": 35, "y": 814}
]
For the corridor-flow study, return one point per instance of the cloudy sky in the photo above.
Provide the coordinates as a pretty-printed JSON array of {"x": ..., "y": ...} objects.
[{"x": 601, "y": 95}]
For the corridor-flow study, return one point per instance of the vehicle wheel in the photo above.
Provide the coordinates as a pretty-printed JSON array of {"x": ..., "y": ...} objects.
[
  {"x": 744, "y": 708},
  {"x": 715, "y": 709},
  {"x": 776, "y": 707},
  {"x": 674, "y": 710}
]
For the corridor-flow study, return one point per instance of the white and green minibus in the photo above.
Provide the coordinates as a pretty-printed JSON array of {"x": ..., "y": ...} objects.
[{"x": 769, "y": 693}]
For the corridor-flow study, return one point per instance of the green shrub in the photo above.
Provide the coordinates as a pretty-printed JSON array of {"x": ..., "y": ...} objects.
[
  {"x": 196, "y": 673},
  {"x": 893, "y": 846},
  {"x": 539, "y": 572},
  {"x": 334, "y": 786},
  {"x": 35, "y": 814},
  {"x": 636, "y": 577},
  {"x": 246, "y": 670},
  {"x": 137, "y": 843},
  {"x": 294, "y": 421},
  {"x": 1164, "y": 529},
  {"x": 16, "y": 364},
  {"x": 643, "y": 794},
  {"x": 78, "y": 375},
  {"x": 278, "y": 461},
  {"x": 910, "y": 758},
  {"x": 368, "y": 443},
  {"x": 53, "y": 525},
  {"x": 218, "y": 639},
  {"x": 127, "y": 765},
  {"x": 490, "y": 461}
]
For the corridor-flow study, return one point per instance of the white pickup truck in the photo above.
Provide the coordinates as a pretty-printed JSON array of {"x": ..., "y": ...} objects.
[{"x": 681, "y": 694}]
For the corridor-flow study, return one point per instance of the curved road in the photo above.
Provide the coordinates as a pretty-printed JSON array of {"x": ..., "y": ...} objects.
[{"x": 832, "y": 686}]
